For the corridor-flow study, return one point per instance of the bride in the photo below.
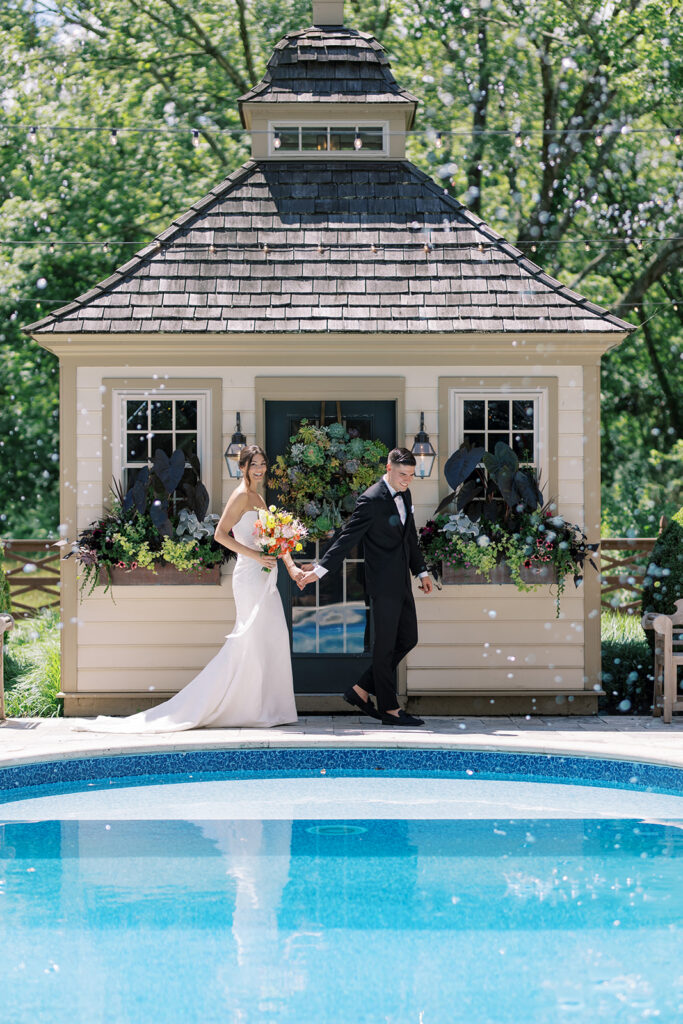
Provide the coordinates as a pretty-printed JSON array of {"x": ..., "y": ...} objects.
[{"x": 249, "y": 682}]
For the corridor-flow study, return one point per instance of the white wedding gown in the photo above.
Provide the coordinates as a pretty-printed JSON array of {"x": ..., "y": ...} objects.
[{"x": 249, "y": 682}]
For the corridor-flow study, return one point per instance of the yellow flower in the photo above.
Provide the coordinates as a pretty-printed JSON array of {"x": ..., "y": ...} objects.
[
  {"x": 299, "y": 547},
  {"x": 272, "y": 508}
]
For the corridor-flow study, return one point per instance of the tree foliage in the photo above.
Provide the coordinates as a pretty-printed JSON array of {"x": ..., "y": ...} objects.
[{"x": 555, "y": 71}]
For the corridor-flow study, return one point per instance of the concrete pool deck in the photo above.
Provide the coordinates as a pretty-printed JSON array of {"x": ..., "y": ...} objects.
[{"x": 26, "y": 740}]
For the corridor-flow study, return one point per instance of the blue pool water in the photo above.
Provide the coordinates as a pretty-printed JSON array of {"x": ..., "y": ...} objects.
[{"x": 341, "y": 895}]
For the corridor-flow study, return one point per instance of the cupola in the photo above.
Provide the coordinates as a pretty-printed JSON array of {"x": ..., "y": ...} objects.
[{"x": 328, "y": 92}]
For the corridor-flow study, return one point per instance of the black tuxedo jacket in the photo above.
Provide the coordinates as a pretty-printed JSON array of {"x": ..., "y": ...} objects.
[{"x": 391, "y": 548}]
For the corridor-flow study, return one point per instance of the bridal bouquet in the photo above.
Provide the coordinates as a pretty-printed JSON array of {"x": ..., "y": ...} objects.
[{"x": 278, "y": 532}]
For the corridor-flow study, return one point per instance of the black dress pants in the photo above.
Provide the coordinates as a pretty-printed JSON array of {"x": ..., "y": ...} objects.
[{"x": 394, "y": 627}]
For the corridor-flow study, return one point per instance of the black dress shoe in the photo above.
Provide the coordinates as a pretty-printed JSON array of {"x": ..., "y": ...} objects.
[
  {"x": 403, "y": 718},
  {"x": 366, "y": 706}
]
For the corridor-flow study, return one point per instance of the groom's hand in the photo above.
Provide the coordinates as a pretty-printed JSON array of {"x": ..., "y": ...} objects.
[
  {"x": 426, "y": 585},
  {"x": 309, "y": 577}
]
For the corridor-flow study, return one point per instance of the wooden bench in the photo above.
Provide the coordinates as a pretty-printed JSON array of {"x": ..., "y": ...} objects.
[
  {"x": 668, "y": 630},
  {"x": 6, "y": 623}
]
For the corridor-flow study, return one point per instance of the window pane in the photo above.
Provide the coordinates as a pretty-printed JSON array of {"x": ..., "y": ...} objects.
[
  {"x": 136, "y": 414},
  {"x": 473, "y": 414},
  {"x": 162, "y": 415},
  {"x": 523, "y": 447},
  {"x": 289, "y": 137},
  {"x": 314, "y": 138},
  {"x": 523, "y": 415},
  {"x": 494, "y": 439},
  {"x": 186, "y": 415},
  {"x": 372, "y": 138},
  {"x": 499, "y": 415},
  {"x": 476, "y": 440},
  {"x": 187, "y": 442},
  {"x": 162, "y": 442},
  {"x": 342, "y": 138},
  {"x": 136, "y": 447}
]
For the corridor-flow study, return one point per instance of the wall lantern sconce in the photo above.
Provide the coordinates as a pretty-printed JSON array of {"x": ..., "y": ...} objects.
[
  {"x": 423, "y": 451},
  {"x": 232, "y": 452}
]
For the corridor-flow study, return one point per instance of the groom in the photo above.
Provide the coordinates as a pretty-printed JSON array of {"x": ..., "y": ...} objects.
[{"x": 383, "y": 520}]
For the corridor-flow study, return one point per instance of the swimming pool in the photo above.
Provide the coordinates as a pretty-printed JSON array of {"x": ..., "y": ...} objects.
[{"x": 332, "y": 886}]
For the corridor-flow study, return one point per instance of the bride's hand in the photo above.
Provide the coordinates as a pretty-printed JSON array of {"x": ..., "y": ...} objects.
[
  {"x": 267, "y": 561},
  {"x": 296, "y": 573}
]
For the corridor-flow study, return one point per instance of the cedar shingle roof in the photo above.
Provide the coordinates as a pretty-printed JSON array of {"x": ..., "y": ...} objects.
[
  {"x": 179, "y": 284},
  {"x": 334, "y": 65}
]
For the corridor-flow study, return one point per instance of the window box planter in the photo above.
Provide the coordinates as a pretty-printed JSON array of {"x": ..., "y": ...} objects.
[
  {"x": 500, "y": 574},
  {"x": 166, "y": 575}
]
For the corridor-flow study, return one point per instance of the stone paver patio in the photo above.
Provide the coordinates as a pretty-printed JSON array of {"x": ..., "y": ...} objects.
[{"x": 623, "y": 738}]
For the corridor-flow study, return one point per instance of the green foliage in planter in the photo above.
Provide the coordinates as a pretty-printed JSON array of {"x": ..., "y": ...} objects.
[
  {"x": 627, "y": 666},
  {"x": 322, "y": 473},
  {"x": 141, "y": 530},
  {"x": 496, "y": 514},
  {"x": 5, "y": 603},
  {"x": 663, "y": 583},
  {"x": 32, "y": 668}
]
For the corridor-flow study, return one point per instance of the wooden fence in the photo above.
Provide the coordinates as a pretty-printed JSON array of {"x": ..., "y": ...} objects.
[
  {"x": 32, "y": 569},
  {"x": 623, "y": 565}
]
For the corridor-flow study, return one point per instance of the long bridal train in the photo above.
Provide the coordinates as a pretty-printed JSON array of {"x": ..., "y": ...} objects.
[{"x": 249, "y": 682}]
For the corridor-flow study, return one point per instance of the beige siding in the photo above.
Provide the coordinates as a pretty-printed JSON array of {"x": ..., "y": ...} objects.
[{"x": 155, "y": 639}]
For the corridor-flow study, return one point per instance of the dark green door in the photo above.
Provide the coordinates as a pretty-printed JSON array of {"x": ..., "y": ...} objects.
[{"x": 329, "y": 622}]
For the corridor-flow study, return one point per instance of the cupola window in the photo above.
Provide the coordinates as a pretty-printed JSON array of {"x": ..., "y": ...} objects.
[{"x": 327, "y": 138}]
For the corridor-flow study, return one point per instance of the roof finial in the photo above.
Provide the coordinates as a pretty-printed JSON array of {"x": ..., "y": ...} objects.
[{"x": 328, "y": 12}]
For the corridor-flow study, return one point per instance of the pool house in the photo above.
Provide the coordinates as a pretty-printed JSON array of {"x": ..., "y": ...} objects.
[{"x": 330, "y": 278}]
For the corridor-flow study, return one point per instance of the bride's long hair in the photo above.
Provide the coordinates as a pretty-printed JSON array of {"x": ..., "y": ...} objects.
[{"x": 247, "y": 456}]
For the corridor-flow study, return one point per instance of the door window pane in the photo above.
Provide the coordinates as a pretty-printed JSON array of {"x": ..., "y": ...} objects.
[
  {"x": 136, "y": 415},
  {"x": 523, "y": 415},
  {"x": 335, "y": 618},
  {"x": 474, "y": 416},
  {"x": 186, "y": 415}
]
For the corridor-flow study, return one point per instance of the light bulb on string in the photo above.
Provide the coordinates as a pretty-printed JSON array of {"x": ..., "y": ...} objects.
[
  {"x": 439, "y": 140},
  {"x": 598, "y": 139},
  {"x": 195, "y": 138},
  {"x": 587, "y": 246},
  {"x": 373, "y": 247},
  {"x": 105, "y": 247},
  {"x": 265, "y": 249},
  {"x": 33, "y": 134},
  {"x": 518, "y": 139},
  {"x": 277, "y": 141},
  {"x": 677, "y": 138},
  {"x": 114, "y": 136},
  {"x": 320, "y": 247},
  {"x": 426, "y": 248},
  {"x": 357, "y": 142},
  {"x": 480, "y": 247},
  {"x": 51, "y": 248},
  {"x": 534, "y": 247},
  {"x": 639, "y": 245},
  {"x": 212, "y": 249}
]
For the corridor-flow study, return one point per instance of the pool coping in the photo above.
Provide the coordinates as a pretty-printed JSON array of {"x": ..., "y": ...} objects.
[{"x": 640, "y": 740}]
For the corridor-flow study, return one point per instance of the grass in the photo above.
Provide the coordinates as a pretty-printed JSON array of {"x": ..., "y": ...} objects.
[
  {"x": 32, "y": 668},
  {"x": 627, "y": 666}
]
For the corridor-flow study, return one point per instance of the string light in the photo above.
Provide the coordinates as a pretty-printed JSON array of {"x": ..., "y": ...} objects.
[
  {"x": 320, "y": 247},
  {"x": 586, "y": 243},
  {"x": 427, "y": 247},
  {"x": 195, "y": 138},
  {"x": 51, "y": 248},
  {"x": 105, "y": 247},
  {"x": 265, "y": 249},
  {"x": 438, "y": 138},
  {"x": 212, "y": 249},
  {"x": 114, "y": 136},
  {"x": 357, "y": 142},
  {"x": 33, "y": 134}
]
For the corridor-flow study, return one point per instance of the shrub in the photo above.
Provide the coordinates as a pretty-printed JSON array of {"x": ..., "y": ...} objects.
[
  {"x": 32, "y": 668},
  {"x": 663, "y": 583},
  {"x": 627, "y": 666}
]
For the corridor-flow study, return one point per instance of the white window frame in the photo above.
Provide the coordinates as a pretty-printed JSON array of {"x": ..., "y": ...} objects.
[
  {"x": 121, "y": 395},
  {"x": 324, "y": 122},
  {"x": 539, "y": 396}
]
